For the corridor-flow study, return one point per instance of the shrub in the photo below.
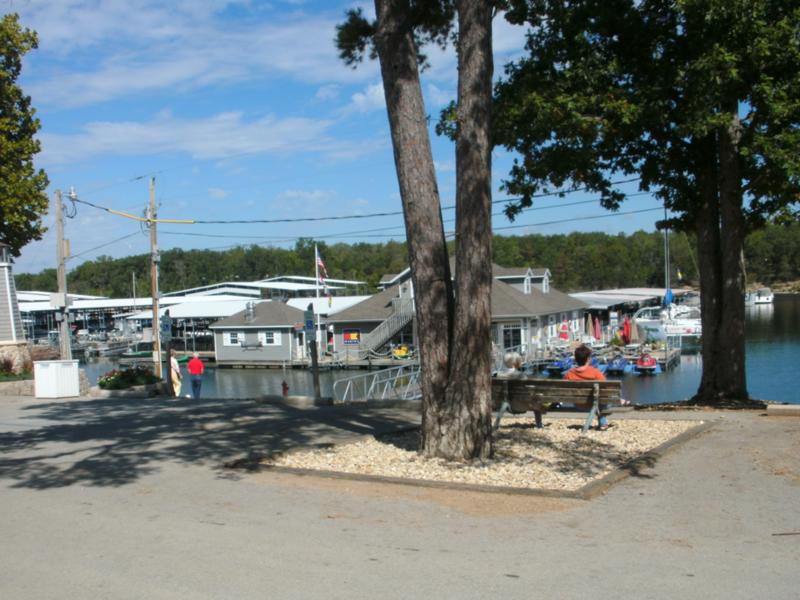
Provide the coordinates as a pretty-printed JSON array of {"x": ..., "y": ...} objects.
[{"x": 120, "y": 379}]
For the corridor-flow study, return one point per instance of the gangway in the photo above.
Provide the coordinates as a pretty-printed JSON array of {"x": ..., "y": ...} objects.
[{"x": 395, "y": 383}]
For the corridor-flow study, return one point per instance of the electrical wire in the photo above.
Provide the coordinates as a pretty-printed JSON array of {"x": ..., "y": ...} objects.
[
  {"x": 124, "y": 237},
  {"x": 559, "y": 193}
]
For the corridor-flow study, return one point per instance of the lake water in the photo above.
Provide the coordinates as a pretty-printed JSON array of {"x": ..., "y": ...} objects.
[{"x": 773, "y": 349}]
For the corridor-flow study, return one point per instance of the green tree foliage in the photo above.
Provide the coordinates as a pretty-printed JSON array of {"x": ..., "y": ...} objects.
[
  {"x": 699, "y": 98},
  {"x": 22, "y": 188},
  {"x": 578, "y": 262}
]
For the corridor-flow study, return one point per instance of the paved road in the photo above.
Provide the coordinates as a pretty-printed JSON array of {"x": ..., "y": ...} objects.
[{"x": 127, "y": 499}]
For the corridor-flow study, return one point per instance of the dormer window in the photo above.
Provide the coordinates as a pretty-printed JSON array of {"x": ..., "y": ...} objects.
[
  {"x": 545, "y": 284},
  {"x": 526, "y": 286}
]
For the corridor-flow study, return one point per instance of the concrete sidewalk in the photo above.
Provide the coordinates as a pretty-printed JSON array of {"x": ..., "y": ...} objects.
[{"x": 126, "y": 499}]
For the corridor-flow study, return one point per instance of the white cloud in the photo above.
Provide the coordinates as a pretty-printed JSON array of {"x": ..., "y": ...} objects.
[
  {"x": 327, "y": 92},
  {"x": 139, "y": 47},
  {"x": 438, "y": 97},
  {"x": 370, "y": 99},
  {"x": 218, "y": 193},
  {"x": 220, "y": 136}
]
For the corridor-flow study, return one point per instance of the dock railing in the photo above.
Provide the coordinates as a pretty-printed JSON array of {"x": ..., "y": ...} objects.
[{"x": 395, "y": 383}]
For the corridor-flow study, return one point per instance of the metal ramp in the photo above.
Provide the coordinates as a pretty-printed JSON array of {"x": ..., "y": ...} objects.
[{"x": 396, "y": 383}]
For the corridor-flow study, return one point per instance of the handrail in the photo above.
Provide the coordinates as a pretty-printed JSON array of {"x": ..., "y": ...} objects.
[{"x": 395, "y": 383}]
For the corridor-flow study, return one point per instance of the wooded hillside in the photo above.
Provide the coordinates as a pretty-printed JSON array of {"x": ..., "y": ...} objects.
[{"x": 578, "y": 261}]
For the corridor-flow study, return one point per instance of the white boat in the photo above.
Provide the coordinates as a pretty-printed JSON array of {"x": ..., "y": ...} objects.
[
  {"x": 759, "y": 296},
  {"x": 658, "y": 323}
]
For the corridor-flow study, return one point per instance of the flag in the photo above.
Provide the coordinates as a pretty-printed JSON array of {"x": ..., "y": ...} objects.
[{"x": 323, "y": 274}]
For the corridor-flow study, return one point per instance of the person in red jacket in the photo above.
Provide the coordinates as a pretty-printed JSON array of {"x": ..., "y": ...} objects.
[
  {"x": 196, "y": 368},
  {"x": 583, "y": 371}
]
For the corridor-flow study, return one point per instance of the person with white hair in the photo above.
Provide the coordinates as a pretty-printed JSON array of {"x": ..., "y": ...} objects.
[{"x": 513, "y": 366}]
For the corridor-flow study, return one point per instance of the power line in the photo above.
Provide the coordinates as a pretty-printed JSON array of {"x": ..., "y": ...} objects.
[
  {"x": 327, "y": 218},
  {"x": 124, "y": 237}
]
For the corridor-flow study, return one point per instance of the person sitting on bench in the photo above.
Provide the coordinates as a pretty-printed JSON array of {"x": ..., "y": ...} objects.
[
  {"x": 586, "y": 372},
  {"x": 513, "y": 364},
  {"x": 513, "y": 370}
]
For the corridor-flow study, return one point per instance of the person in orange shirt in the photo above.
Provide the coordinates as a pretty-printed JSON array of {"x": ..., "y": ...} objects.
[{"x": 583, "y": 371}]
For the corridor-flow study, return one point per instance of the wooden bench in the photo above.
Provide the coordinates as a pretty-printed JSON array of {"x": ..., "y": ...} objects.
[{"x": 523, "y": 395}]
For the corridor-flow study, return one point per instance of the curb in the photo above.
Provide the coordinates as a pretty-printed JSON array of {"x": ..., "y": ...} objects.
[
  {"x": 783, "y": 410},
  {"x": 587, "y": 492}
]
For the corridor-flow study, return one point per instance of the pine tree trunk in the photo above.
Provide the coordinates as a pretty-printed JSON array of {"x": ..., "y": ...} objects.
[
  {"x": 710, "y": 266},
  {"x": 427, "y": 250},
  {"x": 463, "y": 427},
  {"x": 731, "y": 377}
]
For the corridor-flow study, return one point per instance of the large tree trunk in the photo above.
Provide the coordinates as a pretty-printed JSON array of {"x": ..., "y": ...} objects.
[
  {"x": 732, "y": 382},
  {"x": 710, "y": 267},
  {"x": 462, "y": 426},
  {"x": 720, "y": 239},
  {"x": 427, "y": 250}
]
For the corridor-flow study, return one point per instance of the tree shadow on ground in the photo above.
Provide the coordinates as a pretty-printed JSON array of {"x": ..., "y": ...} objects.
[{"x": 113, "y": 442}]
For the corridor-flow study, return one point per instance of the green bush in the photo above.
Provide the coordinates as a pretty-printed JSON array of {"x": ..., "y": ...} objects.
[
  {"x": 4, "y": 376},
  {"x": 120, "y": 379}
]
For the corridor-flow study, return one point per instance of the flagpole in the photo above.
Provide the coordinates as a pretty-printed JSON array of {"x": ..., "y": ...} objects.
[{"x": 316, "y": 284}]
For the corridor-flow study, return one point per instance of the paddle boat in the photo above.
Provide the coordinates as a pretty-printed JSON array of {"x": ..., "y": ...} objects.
[
  {"x": 646, "y": 364},
  {"x": 560, "y": 365},
  {"x": 617, "y": 364}
]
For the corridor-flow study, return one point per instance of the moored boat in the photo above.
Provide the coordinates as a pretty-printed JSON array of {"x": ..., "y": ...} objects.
[
  {"x": 759, "y": 296},
  {"x": 617, "y": 364},
  {"x": 646, "y": 364}
]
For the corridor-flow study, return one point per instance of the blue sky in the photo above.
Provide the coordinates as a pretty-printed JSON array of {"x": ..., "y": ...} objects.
[{"x": 241, "y": 110}]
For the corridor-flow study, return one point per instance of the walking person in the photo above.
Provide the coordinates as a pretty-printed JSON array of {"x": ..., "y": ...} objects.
[
  {"x": 175, "y": 374},
  {"x": 196, "y": 369}
]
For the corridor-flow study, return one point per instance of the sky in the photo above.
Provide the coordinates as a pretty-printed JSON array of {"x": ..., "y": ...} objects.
[{"x": 240, "y": 110}]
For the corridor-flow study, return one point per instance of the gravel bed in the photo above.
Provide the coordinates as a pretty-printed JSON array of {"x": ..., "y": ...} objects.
[{"x": 558, "y": 457}]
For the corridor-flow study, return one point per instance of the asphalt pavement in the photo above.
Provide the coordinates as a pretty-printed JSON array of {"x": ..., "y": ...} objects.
[{"x": 130, "y": 499}]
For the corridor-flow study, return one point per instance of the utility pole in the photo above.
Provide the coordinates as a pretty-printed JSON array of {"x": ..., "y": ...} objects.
[
  {"x": 667, "y": 278},
  {"x": 64, "y": 341},
  {"x": 154, "y": 260}
]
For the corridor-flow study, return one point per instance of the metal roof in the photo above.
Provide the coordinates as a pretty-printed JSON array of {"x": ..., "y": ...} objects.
[
  {"x": 120, "y": 303},
  {"x": 603, "y": 299},
  {"x": 198, "y": 310}
]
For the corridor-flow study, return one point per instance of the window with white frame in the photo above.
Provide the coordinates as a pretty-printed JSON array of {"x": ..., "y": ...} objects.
[
  {"x": 269, "y": 338},
  {"x": 232, "y": 338},
  {"x": 526, "y": 285},
  {"x": 512, "y": 335}
]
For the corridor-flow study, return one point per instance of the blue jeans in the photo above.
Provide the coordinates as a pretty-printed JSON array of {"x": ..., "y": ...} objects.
[{"x": 197, "y": 382}]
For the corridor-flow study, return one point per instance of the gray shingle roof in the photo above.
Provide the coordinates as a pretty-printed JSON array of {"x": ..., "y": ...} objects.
[
  {"x": 498, "y": 271},
  {"x": 507, "y": 301},
  {"x": 374, "y": 308},
  {"x": 267, "y": 314}
]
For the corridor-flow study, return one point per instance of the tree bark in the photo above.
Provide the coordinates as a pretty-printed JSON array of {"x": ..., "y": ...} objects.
[
  {"x": 710, "y": 267},
  {"x": 427, "y": 250},
  {"x": 732, "y": 381},
  {"x": 463, "y": 425}
]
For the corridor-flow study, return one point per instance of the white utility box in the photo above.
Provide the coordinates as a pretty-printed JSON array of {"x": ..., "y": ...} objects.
[{"x": 56, "y": 379}]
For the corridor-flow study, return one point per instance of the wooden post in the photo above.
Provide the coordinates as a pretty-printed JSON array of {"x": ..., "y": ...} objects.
[
  {"x": 151, "y": 221},
  {"x": 65, "y": 343}
]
